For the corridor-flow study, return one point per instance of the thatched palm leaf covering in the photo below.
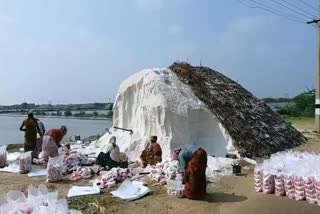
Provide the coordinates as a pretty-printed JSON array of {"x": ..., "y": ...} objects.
[{"x": 257, "y": 131}]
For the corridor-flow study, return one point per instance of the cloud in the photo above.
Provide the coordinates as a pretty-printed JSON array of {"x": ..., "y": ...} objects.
[{"x": 150, "y": 5}]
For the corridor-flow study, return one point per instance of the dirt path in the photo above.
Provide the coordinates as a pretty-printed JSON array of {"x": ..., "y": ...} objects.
[{"x": 231, "y": 195}]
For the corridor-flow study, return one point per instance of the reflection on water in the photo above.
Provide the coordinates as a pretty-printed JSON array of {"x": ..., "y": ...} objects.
[{"x": 10, "y": 134}]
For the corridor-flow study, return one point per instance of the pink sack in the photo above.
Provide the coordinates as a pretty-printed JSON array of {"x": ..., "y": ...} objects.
[
  {"x": 258, "y": 180},
  {"x": 279, "y": 185},
  {"x": 310, "y": 190},
  {"x": 289, "y": 187},
  {"x": 317, "y": 188},
  {"x": 268, "y": 183},
  {"x": 299, "y": 189}
]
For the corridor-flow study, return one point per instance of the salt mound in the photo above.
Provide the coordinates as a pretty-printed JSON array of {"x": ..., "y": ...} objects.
[{"x": 156, "y": 102}]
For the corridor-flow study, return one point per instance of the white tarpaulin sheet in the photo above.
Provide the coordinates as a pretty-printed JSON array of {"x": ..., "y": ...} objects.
[
  {"x": 12, "y": 168},
  {"x": 84, "y": 190},
  {"x": 130, "y": 191},
  {"x": 38, "y": 172}
]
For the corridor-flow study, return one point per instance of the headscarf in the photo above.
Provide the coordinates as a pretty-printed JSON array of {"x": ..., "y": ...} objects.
[{"x": 175, "y": 154}]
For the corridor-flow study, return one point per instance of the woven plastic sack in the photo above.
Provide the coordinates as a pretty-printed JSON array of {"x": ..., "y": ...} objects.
[
  {"x": 258, "y": 179},
  {"x": 279, "y": 185},
  {"x": 55, "y": 169},
  {"x": 3, "y": 156},
  {"x": 268, "y": 183},
  {"x": 310, "y": 190},
  {"x": 299, "y": 191},
  {"x": 289, "y": 186},
  {"x": 317, "y": 188},
  {"x": 25, "y": 162}
]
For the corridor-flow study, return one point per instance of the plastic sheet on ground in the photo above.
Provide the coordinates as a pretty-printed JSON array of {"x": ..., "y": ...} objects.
[
  {"x": 12, "y": 168},
  {"x": 38, "y": 172},
  {"x": 130, "y": 191},
  {"x": 83, "y": 190}
]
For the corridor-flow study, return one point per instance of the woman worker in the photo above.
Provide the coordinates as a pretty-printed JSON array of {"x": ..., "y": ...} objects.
[
  {"x": 152, "y": 154},
  {"x": 193, "y": 163},
  {"x": 51, "y": 141},
  {"x": 30, "y": 128},
  {"x": 111, "y": 158}
]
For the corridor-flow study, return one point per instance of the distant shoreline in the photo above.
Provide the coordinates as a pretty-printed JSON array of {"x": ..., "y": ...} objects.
[{"x": 58, "y": 117}]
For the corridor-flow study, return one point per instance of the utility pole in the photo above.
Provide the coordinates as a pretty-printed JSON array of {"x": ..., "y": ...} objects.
[{"x": 317, "y": 101}]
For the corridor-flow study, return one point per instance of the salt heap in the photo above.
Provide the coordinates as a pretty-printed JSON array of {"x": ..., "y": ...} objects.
[
  {"x": 155, "y": 102},
  {"x": 184, "y": 104}
]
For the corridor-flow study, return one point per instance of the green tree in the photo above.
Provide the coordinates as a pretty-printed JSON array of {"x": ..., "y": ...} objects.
[
  {"x": 95, "y": 114},
  {"x": 68, "y": 113}
]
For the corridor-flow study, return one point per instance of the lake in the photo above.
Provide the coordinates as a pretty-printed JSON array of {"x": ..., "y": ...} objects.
[{"x": 10, "y": 134}]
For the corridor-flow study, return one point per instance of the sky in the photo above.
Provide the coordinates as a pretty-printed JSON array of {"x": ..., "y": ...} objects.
[{"x": 80, "y": 51}]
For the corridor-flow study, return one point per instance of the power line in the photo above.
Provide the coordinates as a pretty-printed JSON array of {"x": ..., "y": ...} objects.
[
  {"x": 289, "y": 3},
  {"x": 283, "y": 5},
  {"x": 309, "y": 5},
  {"x": 274, "y": 11}
]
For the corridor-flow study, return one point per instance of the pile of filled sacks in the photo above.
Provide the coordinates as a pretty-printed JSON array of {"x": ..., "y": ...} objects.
[
  {"x": 112, "y": 177},
  {"x": 292, "y": 174}
]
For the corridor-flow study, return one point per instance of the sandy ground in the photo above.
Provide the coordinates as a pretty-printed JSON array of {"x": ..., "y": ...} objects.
[{"x": 234, "y": 194}]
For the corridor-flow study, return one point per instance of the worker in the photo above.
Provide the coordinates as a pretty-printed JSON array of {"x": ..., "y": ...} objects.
[
  {"x": 30, "y": 128},
  {"x": 111, "y": 158},
  {"x": 193, "y": 164},
  {"x": 51, "y": 142},
  {"x": 42, "y": 131},
  {"x": 152, "y": 154}
]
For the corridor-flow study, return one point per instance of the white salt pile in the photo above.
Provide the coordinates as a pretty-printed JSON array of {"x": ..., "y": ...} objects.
[{"x": 155, "y": 102}]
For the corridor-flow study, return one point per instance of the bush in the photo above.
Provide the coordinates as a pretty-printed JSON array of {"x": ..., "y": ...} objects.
[
  {"x": 304, "y": 106},
  {"x": 68, "y": 113}
]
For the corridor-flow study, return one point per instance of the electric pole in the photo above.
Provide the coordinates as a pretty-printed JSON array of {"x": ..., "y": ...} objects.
[{"x": 317, "y": 101}]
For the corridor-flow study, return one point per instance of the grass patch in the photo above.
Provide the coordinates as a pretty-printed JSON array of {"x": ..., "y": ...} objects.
[
  {"x": 300, "y": 120},
  {"x": 96, "y": 204},
  {"x": 14, "y": 147}
]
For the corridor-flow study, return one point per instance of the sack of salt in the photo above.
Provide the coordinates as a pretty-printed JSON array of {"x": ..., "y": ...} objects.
[
  {"x": 258, "y": 179},
  {"x": 310, "y": 190},
  {"x": 267, "y": 183},
  {"x": 279, "y": 185},
  {"x": 25, "y": 162},
  {"x": 317, "y": 188},
  {"x": 299, "y": 189},
  {"x": 289, "y": 186},
  {"x": 3, "y": 156},
  {"x": 55, "y": 169}
]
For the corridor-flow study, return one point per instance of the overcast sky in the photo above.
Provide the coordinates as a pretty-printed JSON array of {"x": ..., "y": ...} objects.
[{"x": 79, "y": 51}]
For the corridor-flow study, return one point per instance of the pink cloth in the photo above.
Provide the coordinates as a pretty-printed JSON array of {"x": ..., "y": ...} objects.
[{"x": 49, "y": 148}]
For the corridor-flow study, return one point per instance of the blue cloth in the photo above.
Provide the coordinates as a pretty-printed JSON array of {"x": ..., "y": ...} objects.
[{"x": 185, "y": 156}]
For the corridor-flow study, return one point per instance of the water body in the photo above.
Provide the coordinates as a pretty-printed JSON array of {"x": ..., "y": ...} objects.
[{"x": 10, "y": 134}]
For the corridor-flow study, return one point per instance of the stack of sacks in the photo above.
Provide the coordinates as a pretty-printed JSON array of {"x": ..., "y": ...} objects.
[
  {"x": 279, "y": 185},
  {"x": 317, "y": 187},
  {"x": 310, "y": 190},
  {"x": 289, "y": 186},
  {"x": 268, "y": 184},
  {"x": 84, "y": 173},
  {"x": 73, "y": 161},
  {"x": 293, "y": 174},
  {"x": 165, "y": 171},
  {"x": 258, "y": 179},
  {"x": 115, "y": 175},
  {"x": 299, "y": 193}
]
